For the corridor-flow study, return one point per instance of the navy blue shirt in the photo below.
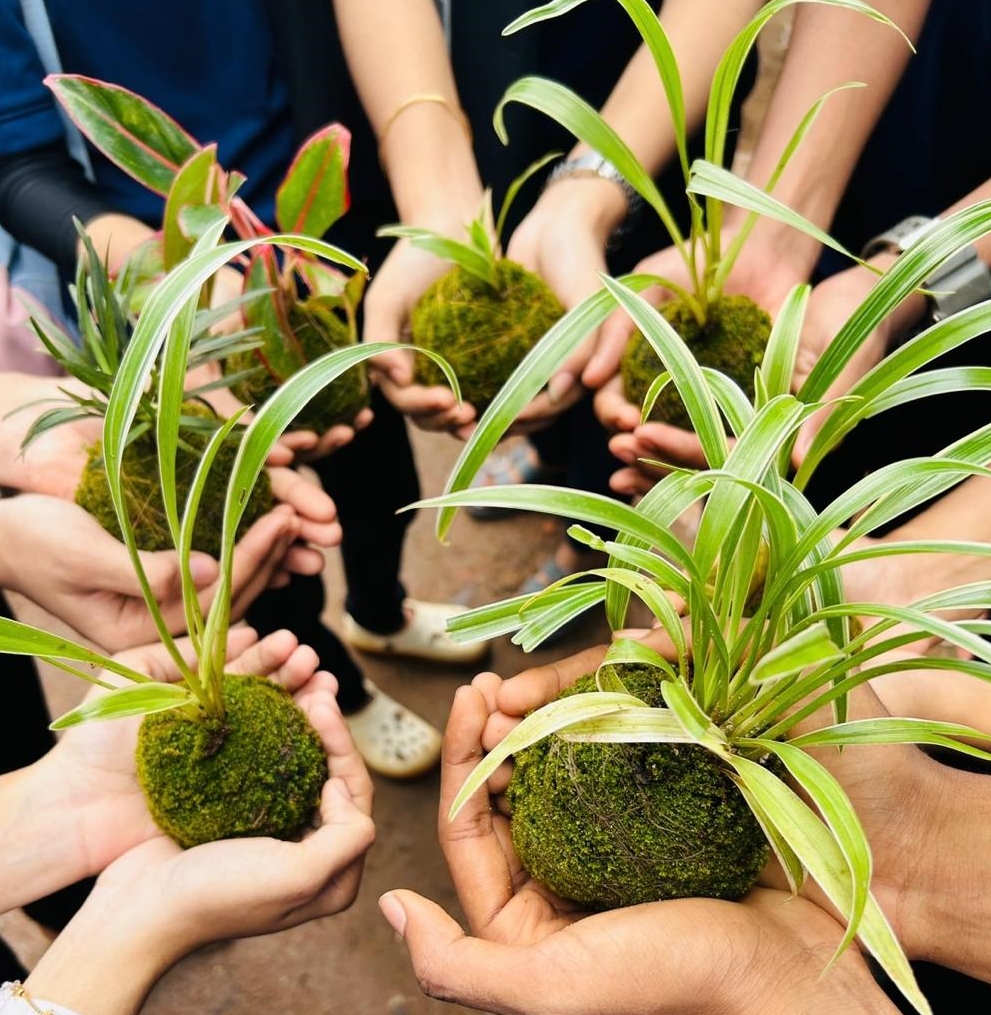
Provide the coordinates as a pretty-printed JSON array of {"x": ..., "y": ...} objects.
[{"x": 209, "y": 65}]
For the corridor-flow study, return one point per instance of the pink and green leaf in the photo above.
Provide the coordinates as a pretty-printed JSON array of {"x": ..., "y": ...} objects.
[
  {"x": 280, "y": 352},
  {"x": 195, "y": 184},
  {"x": 314, "y": 193},
  {"x": 133, "y": 133}
]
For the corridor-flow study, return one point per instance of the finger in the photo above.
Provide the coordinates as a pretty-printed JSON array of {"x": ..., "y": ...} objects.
[
  {"x": 299, "y": 559},
  {"x": 614, "y": 410},
  {"x": 259, "y": 551},
  {"x": 452, "y": 966},
  {"x": 265, "y": 656},
  {"x": 319, "y": 702},
  {"x": 535, "y": 687},
  {"x": 306, "y": 497},
  {"x": 474, "y": 855}
]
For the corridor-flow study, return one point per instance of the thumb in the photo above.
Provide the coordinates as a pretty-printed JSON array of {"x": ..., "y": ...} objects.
[{"x": 447, "y": 963}]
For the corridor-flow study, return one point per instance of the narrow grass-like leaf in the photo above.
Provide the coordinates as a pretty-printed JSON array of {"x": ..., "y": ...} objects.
[
  {"x": 557, "y": 715},
  {"x": 464, "y": 255},
  {"x": 837, "y": 811},
  {"x": 821, "y": 856},
  {"x": 562, "y": 105},
  {"x": 127, "y": 701},
  {"x": 810, "y": 647}
]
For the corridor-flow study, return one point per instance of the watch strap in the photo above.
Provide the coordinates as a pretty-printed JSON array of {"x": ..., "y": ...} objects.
[{"x": 961, "y": 281}]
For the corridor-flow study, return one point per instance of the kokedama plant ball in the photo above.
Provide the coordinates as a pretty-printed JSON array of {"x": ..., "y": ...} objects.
[
  {"x": 611, "y": 825},
  {"x": 258, "y": 772},
  {"x": 483, "y": 332},
  {"x": 732, "y": 340},
  {"x": 143, "y": 494},
  {"x": 318, "y": 330}
]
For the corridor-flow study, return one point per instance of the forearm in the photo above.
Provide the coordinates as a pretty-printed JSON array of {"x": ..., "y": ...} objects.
[
  {"x": 395, "y": 50},
  {"x": 107, "y": 959},
  {"x": 638, "y": 108},
  {"x": 830, "y": 47},
  {"x": 947, "y": 907},
  {"x": 37, "y": 850}
]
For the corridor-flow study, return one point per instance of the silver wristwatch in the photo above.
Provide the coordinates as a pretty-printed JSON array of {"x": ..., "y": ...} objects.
[
  {"x": 959, "y": 282},
  {"x": 593, "y": 164}
]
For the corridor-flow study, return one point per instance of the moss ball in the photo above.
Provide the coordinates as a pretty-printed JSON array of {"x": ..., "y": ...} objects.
[
  {"x": 143, "y": 493},
  {"x": 318, "y": 330},
  {"x": 732, "y": 340},
  {"x": 259, "y": 772},
  {"x": 483, "y": 332},
  {"x": 611, "y": 825}
]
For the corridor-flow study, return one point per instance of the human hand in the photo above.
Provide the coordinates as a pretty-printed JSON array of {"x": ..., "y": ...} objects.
[
  {"x": 156, "y": 902},
  {"x": 54, "y": 461},
  {"x": 404, "y": 276},
  {"x": 58, "y": 556},
  {"x": 563, "y": 240},
  {"x": 831, "y": 304},
  {"x": 316, "y": 521},
  {"x": 529, "y": 950},
  {"x": 86, "y": 787}
]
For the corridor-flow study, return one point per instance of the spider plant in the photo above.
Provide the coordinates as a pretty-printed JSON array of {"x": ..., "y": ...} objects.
[
  {"x": 728, "y": 332},
  {"x": 218, "y": 755},
  {"x": 299, "y": 306},
  {"x": 770, "y": 637},
  {"x": 106, "y": 319},
  {"x": 486, "y": 311}
]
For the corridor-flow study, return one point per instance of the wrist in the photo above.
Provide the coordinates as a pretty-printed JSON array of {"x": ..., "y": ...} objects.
[
  {"x": 946, "y": 902},
  {"x": 596, "y": 203},
  {"x": 598, "y": 181},
  {"x": 102, "y": 946},
  {"x": 960, "y": 281},
  {"x": 427, "y": 156}
]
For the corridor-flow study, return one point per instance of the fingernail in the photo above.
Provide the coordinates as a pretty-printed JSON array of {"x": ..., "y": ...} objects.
[
  {"x": 558, "y": 386},
  {"x": 202, "y": 569},
  {"x": 394, "y": 913}
]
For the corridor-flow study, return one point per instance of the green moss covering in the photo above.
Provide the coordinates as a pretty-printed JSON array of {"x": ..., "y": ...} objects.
[
  {"x": 612, "y": 825},
  {"x": 318, "y": 330},
  {"x": 481, "y": 331},
  {"x": 142, "y": 488},
  {"x": 732, "y": 341},
  {"x": 260, "y": 772}
]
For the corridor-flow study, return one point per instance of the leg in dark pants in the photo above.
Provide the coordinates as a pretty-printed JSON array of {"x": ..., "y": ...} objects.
[{"x": 369, "y": 480}]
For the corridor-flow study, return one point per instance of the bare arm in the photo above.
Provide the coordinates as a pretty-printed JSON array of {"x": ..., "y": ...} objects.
[
  {"x": 830, "y": 47},
  {"x": 395, "y": 50}
]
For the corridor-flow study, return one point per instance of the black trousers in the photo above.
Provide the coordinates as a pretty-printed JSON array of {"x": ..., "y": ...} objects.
[{"x": 369, "y": 480}]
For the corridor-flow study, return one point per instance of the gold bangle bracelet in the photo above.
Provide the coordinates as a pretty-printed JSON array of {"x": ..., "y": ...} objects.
[{"x": 414, "y": 100}]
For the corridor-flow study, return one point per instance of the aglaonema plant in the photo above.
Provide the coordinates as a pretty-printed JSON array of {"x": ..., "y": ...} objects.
[
  {"x": 726, "y": 331},
  {"x": 218, "y": 755},
  {"x": 770, "y": 637},
  {"x": 487, "y": 311},
  {"x": 299, "y": 307}
]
